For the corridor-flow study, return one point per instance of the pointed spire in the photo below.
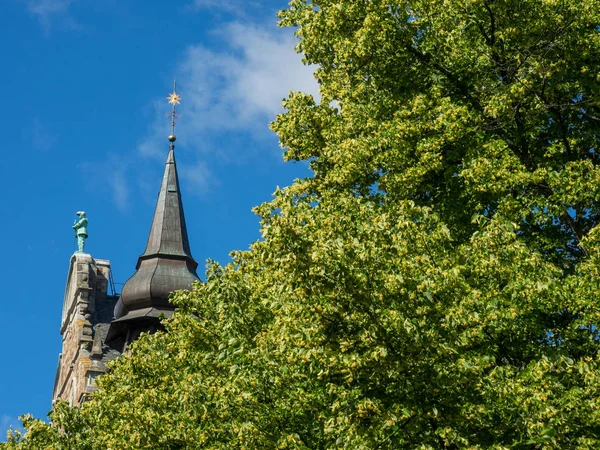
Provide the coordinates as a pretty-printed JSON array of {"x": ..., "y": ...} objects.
[
  {"x": 168, "y": 234},
  {"x": 165, "y": 266}
]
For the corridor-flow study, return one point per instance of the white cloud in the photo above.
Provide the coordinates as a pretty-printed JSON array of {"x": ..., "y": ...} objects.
[
  {"x": 110, "y": 177},
  {"x": 198, "y": 177},
  {"x": 230, "y": 5},
  {"x": 42, "y": 138},
  {"x": 237, "y": 90},
  {"x": 236, "y": 7},
  {"x": 244, "y": 86},
  {"x": 46, "y": 8},
  {"x": 229, "y": 97},
  {"x": 119, "y": 189},
  {"x": 46, "y": 11}
]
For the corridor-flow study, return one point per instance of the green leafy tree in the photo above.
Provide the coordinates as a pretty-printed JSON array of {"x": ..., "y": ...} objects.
[{"x": 434, "y": 284}]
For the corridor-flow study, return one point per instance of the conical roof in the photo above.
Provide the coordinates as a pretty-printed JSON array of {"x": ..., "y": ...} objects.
[
  {"x": 165, "y": 266},
  {"x": 168, "y": 235}
]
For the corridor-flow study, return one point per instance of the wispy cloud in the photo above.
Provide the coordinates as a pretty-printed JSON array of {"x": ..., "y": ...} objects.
[
  {"x": 229, "y": 97},
  {"x": 45, "y": 8},
  {"x": 42, "y": 139},
  {"x": 237, "y": 91},
  {"x": 243, "y": 87},
  {"x": 120, "y": 190},
  {"x": 198, "y": 177},
  {"x": 109, "y": 176},
  {"x": 236, "y": 7},
  {"x": 48, "y": 11},
  {"x": 217, "y": 4}
]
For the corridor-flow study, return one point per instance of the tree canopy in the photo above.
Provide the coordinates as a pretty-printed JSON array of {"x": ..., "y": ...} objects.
[{"x": 433, "y": 284}]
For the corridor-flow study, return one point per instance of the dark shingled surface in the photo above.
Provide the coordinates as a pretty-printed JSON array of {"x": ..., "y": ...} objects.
[
  {"x": 167, "y": 264},
  {"x": 168, "y": 235},
  {"x": 103, "y": 316},
  {"x": 108, "y": 354},
  {"x": 105, "y": 310}
]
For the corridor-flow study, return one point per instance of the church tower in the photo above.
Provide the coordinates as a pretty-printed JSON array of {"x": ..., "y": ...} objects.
[{"x": 97, "y": 327}]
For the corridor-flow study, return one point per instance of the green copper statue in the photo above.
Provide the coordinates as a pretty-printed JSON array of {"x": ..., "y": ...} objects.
[{"x": 80, "y": 228}]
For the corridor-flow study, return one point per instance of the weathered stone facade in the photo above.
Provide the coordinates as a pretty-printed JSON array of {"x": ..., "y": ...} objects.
[{"x": 87, "y": 313}]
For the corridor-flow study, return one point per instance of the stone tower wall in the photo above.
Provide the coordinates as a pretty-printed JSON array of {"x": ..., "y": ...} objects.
[{"x": 87, "y": 285}]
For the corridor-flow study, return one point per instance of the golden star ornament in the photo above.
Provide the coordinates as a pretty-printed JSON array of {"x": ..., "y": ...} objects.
[{"x": 174, "y": 98}]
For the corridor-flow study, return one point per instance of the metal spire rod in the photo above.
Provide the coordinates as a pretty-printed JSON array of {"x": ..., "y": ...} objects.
[{"x": 174, "y": 99}]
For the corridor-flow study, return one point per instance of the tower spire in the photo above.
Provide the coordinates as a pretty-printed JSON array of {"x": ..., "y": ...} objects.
[{"x": 165, "y": 266}]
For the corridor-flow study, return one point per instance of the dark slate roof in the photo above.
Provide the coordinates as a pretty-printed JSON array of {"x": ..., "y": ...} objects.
[
  {"x": 168, "y": 235},
  {"x": 108, "y": 354},
  {"x": 105, "y": 310},
  {"x": 165, "y": 266}
]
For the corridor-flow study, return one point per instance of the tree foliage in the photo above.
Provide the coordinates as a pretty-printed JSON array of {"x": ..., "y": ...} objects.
[{"x": 434, "y": 284}]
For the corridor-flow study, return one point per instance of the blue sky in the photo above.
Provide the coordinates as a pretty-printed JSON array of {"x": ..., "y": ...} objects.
[{"x": 84, "y": 123}]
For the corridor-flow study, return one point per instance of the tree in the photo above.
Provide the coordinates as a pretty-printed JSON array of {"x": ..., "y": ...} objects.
[{"x": 432, "y": 285}]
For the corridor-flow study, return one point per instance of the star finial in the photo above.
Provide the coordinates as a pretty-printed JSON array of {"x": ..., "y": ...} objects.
[{"x": 174, "y": 99}]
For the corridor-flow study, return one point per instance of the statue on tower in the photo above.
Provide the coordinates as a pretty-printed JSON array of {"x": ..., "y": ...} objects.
[{"x": 80, "y": 228}]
